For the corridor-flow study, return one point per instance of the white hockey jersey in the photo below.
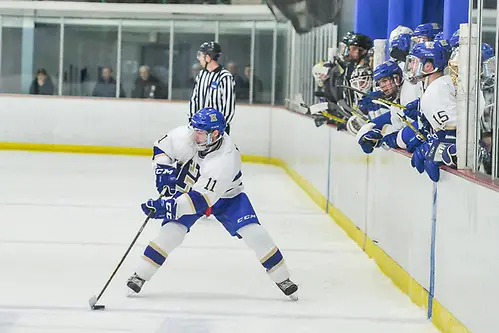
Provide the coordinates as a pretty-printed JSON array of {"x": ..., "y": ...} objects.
[
  {"x": 216, "y": 175},
  {"x": 439, "y": 104},
  {"x": 408, "y": 93}
]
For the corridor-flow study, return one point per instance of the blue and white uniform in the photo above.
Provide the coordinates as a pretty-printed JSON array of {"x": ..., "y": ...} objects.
[
  {"x": 205, "y": 181},
  {"x": 198, "y": 179}
]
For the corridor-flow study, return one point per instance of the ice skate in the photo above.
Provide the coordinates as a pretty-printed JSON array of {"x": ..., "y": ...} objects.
[
  {"x": 135, "y": 283},
  {"x": 289, "y": 289}
]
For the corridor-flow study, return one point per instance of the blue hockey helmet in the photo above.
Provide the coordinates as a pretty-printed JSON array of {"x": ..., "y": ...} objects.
[
  {"x": 488, "y": 62},
  {"x": 454, "y": 40},
  {"x": 209, "y": 120},
  {"x": 420, "y": 54},
  {"x": 487, "y": 52},
  {"x": 427, "y": 31},
  {"x": 444, "y": 43},
  {"x": 439, "y": 36},
  {"x": 387, "y": 69},
  {"x": 400, "y": 47},
  {"x": 388, "y": 78}
]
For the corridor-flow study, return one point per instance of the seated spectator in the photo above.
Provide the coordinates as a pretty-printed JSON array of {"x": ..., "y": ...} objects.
[
  {"x": 42, "y": 84},
  {"x": 148, "y": 86},
  {"x": 106, "y": 85},
  {"x": 257, "y": 85},
  {"x": 195, "y": 69},
  {"x": 231, "y": 67}
]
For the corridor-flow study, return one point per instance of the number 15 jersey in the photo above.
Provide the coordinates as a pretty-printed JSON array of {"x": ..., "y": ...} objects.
[{"x": 439, "y": 104}]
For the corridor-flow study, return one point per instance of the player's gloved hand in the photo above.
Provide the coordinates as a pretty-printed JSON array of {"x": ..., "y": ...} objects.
[
  {"x": 366, "y": 103},
  {"x": 390, "y": 140},
  {"x": 370, "y": 140},
  {"x": 161, "y": 208},
  {"x": 166, "y": 179},
  {"x": 449, "y": 156},
  {"x": 418, "y": 157},
  {"x": 432, "y": 168},
  {"x": 414, "y": 143},
  {"x": 412, "y": 109}
]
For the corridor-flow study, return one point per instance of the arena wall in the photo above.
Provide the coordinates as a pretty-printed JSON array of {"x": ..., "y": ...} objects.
[{"x": 421, "y": 235}]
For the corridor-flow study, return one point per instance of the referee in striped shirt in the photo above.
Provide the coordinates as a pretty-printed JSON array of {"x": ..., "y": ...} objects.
[{"x": 214, "y": 86}]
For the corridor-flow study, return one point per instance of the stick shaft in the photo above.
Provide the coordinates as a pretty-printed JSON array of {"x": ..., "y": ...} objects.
[{"x": 124, "y": 256}]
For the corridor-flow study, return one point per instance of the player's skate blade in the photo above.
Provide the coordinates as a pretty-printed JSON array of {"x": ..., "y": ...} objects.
[
  {"x": 289, "y": 288},
  {"x": 135, "y": 283}
]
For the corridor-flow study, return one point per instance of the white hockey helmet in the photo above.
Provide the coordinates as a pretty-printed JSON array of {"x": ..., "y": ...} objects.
[
  {"x": 399, "y": 31},
  {"x": 362, "y": 79}
]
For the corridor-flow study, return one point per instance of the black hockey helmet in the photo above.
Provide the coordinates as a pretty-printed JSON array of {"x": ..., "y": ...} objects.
[
  {"x": 360, "y": 40},
  {"x": 347, "y": 36},
  {"x": 213, "y": 49}
]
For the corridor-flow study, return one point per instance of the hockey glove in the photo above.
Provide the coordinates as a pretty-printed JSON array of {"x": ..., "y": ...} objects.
[
  {"x": 432, "y": 168},
  {"x": 390, "y": 140},
  {"x": 434, "y": 155},
  {"x": 166, "y": 179},
  {"x": 412, "y": 109},
  {"x": 366, "y": 103},
  {"x": 370, "y": 140},
  {"x": 449, "y": 156},
  {"x": 418, "y": 157},
  {"x": 160, "y": 208},
  {"x": 414, "y": 143}
]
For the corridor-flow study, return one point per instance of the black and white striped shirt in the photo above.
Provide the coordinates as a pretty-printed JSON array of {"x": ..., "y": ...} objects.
[{"x": 214, "y": 89}]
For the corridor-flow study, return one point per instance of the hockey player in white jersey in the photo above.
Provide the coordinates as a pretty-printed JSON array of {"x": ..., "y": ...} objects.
[
  {"x": 426, "y": 63},
  {"x": 199, "y": 168},
  {"x": 391, "y": 87}
]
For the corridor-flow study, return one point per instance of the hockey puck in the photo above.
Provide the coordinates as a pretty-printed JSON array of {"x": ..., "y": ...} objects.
[
  {"x": 93, "y": 304},
  {"x": 98, "y": 307}
]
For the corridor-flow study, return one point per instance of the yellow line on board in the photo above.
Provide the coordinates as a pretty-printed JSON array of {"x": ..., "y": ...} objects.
[
  {"x": 84, "y": 149},
  {"x": 442, "y": 318}
]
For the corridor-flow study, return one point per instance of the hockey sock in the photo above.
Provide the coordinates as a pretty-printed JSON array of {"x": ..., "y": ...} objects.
[
  {"x": 170, "y": 236},
  {"x": 258, "y": 239}
]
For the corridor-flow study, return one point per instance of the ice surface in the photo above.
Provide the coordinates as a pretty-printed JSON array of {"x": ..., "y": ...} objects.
[{"x": 67, "y": 219}]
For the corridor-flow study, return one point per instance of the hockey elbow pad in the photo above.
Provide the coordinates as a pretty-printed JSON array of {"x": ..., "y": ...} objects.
[{"x": 382, "y": 120}]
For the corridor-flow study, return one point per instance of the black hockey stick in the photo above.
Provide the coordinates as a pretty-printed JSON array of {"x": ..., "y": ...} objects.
[
  {"x": 400, "y": 106},
  {"x": 94, "y": 299}
]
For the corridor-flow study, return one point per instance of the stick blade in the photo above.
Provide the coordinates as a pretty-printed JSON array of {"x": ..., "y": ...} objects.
[{"x": 93, "y": 304}]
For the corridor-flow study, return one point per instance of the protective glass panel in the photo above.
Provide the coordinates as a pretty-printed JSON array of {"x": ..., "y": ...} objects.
[
  {"x": 46, "y": 59},
  {"x": 235, "y": 40},
  {"x": 188, "y": 36},
  {"x": 89, "y": 49},
  {"x": 145, "y": 54}
]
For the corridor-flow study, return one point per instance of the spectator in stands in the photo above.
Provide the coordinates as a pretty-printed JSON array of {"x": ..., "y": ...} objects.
[
  {"x": 106, "y": 85},
  {"x": 231, "y": 67},
  {"x": 195, "y": 69},
  {"x": 257, "y": 85},
  {"x": 42, "y": 84},
  {"x": 148, "y": 86}
]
